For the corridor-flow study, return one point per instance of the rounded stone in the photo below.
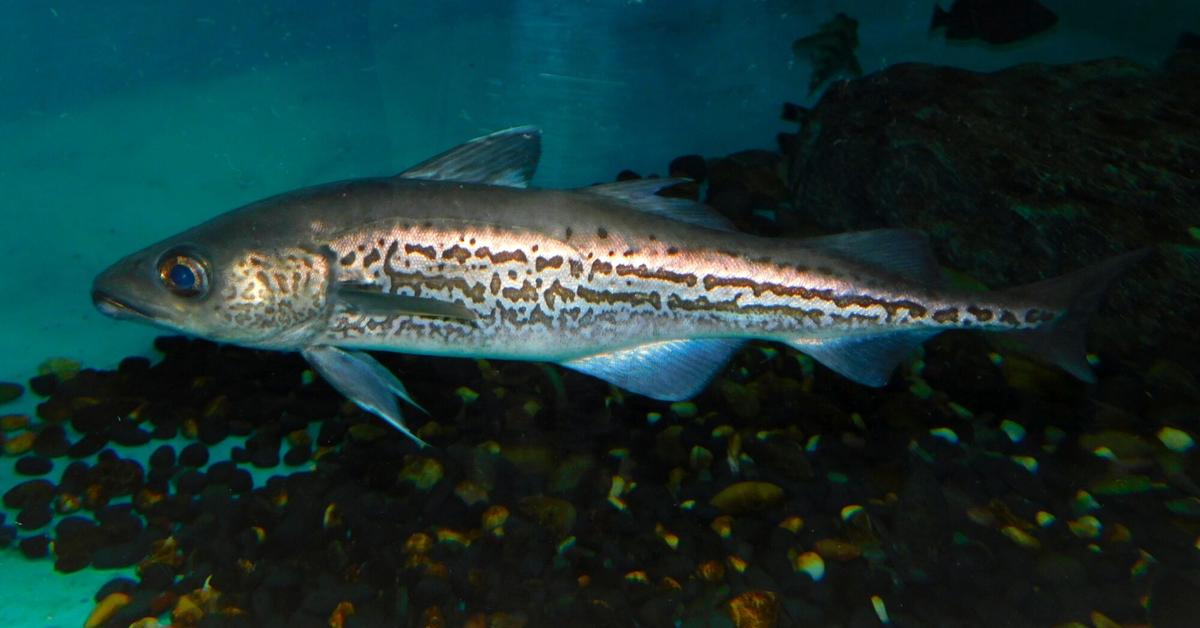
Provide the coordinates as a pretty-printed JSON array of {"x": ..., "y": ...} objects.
[
  {"x": 35, "y": 547},
  {"x": 163, "y": 457},
  {"x": 34, "y": 517},
  {"x": 194, "y": 455},
  {"x": 34, "y": 465},
  {"x": 51, "y": 442},
  {"x": 89, "y": 445},
  {"x": 10, "y": 391}
]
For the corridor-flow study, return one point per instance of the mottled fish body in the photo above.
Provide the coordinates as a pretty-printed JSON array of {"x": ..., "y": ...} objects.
[{"x": 456, "y": 257}]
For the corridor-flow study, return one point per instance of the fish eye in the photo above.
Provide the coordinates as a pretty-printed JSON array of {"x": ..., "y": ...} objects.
[{"x": 183, "y": 273}]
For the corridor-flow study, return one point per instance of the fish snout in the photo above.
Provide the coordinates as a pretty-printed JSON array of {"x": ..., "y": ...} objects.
[{"x": 108, "y": 296}]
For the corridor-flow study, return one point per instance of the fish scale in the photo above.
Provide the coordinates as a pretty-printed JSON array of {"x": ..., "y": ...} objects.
[
  {"x": 456, "y": 257},
  {"x": 538, "y": 297}
]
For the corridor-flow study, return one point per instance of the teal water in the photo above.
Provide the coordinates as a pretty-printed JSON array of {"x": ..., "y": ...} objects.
[{"x": 125, "y": 122}]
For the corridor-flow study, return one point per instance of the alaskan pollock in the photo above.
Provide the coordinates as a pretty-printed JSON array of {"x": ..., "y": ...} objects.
[{"x": 457, "y": 256}]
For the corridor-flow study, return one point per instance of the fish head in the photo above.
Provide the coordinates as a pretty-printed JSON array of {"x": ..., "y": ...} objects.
[{"x": 225, "y": 281}]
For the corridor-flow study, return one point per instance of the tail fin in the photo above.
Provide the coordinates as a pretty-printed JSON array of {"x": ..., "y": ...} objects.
[{"x": 1063, "y": 342}]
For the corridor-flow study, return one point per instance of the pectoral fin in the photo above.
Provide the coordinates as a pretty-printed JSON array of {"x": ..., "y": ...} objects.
[
  {"x": 369, "y": 301},
  {"x": 364, "y": 381},
  {"x": 672, "y": 370}
]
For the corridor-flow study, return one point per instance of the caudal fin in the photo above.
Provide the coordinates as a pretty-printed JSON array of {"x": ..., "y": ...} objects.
[{"x": 1063, "y": 342}]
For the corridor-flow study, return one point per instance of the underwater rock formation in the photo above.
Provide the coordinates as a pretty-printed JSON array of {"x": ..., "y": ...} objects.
[{"x": 1024, "y": 173}]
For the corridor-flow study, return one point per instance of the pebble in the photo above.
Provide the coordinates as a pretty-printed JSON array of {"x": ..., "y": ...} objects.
[
  {"x": 51, "y": 442},
  {"x": 134, "y": 365},
  {"x": 13, "y": 422},
  {"x": 163, "y": 457},
  {"x": 239, "y": 455},
  {"x": 212, "y": 431},
  {"x": 28, "y": 493},
  {"x": 35, "y": 547},
  {"x": 106, "y": 610},
  {"x": 165, "y": 431},
  {"x": 34, "y": 465},
  {"x": 265, "y": 457},
  {"x": 88, "y": 445},
  {"x": 156, "y": 576},
  {"x": 119, "y": 556},
  {"x": 44, "y": 385},
  {"x": 19, "y": 444},
  {"x": 10, "y": 391},
  {"x": 191, "y": 482},
  {"x": 120, "y": 584},
  {"x": 129, "y": 434},
  {"x": 297, "y": 455},
  {"x": 241, "y": 481},
  {"x": 194, "y": 455},
  {"x": 75, "y": 539},
  {"x": 220, "y": 472},
  {"x": 34, "y": 517}
]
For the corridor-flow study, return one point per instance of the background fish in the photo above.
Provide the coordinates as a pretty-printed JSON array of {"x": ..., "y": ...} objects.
[
  {"x": 993, "y": 21},
  {"x": 831, "y": 51},
  {"x": 455, "y": 257}
]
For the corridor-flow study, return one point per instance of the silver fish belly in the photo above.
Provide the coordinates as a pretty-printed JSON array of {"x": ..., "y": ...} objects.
[{"x": 456, "y": 257}]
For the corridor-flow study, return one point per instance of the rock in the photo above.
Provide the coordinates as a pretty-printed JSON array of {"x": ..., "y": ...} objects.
[
  {"x": 297, "y": 455},
  {"x": 29, "y": 493},
  {"x": 87, "y": 446},
  {"x": 51, "y": 442},
  {"x": 1023, "y": 174},
  {"x": 194, "y": 455},
  {"x": 62, "y": 368},
  {"x": 129, "y": 434},
  {"x": 746, "y": 497},
  {"x": 35, "y": 547},
  {"x": 163, "y": 457},
  {"x": 43, "y": 385},
  {"x": 34, "y": 465},
  {"x": 13, "y": 422},
  {"x": 119, "y": 584},
  {"x": 10, "y": 391}
]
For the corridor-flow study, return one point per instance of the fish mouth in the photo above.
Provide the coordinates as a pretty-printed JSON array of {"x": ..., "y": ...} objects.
[{"x": 116, "y": 308}]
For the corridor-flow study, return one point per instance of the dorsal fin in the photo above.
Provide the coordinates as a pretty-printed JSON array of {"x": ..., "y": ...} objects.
[
  {"x": 640, "y": 195},
  {"x": 904, "y": 252},
  {"x": 507, "y": 158}
]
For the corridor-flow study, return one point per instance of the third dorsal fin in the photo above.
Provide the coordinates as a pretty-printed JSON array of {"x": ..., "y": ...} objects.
[
  {"x": 903, "y": 252},
  {"x": 640, "y": 195}
]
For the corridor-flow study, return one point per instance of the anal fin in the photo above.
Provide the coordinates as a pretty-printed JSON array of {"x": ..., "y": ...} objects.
[
  {"x": 868, "y": 359},
  {"x": 672, "y": 370}
]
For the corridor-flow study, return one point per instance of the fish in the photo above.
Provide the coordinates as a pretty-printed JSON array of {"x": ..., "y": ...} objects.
[
  {"x": 993, "y": 21},
  {"x": 459, "y": 256},
  {"x": 830, "y": 51}
]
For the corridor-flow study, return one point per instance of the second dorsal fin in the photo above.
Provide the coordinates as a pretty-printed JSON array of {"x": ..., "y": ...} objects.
[
  {"x": 507, "y": 158},
  {"x": 640, "y": 194}
]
